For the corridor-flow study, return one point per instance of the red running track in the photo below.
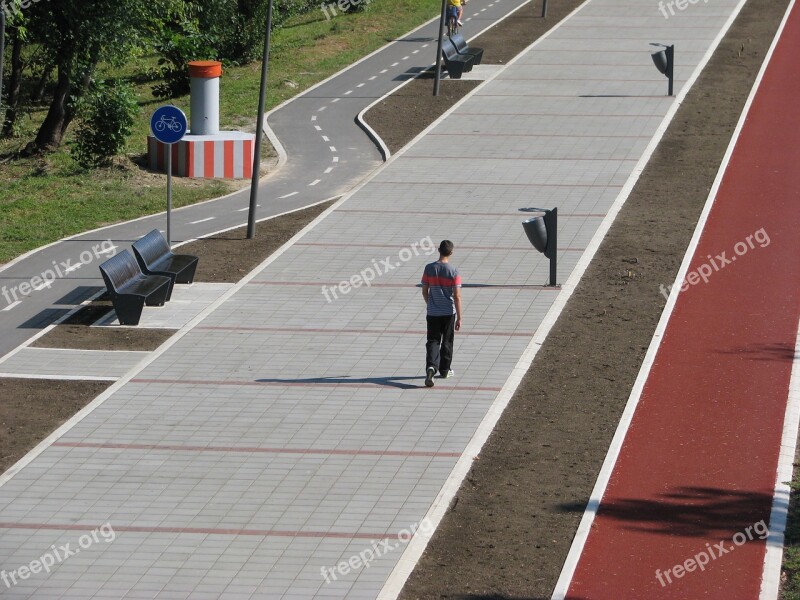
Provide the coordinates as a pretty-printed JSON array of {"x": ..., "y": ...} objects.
[{"x": 698, "y": 464}]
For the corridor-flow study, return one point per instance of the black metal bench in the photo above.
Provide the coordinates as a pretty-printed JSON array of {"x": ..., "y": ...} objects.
[
  {"x": 464, "y": 50},
  {"x": 455, "y": 64},
  {"x": 155, "y": 258},
  {"x": 130, "y": 289}
]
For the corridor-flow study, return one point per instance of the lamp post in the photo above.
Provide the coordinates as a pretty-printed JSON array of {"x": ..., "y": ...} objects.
[
  {"x": 544, "y": 9},
  {"x": 664, "y": 60},
  {"x": 438, "y": 75},
  {"x": 542, "y": 233},
  {"x": 262, "y": 100}
]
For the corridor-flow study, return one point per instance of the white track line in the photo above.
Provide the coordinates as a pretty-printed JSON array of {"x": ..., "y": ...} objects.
[
  {"x": 579, "y": 541},
  {"x": 12, "y": 305},
  {"x": 773, "y": 558}
]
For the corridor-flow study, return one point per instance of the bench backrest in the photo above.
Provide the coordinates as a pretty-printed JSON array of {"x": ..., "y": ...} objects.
[
  {"x": 449, "y": 50},
  {"x": 458, "y": 41},
  {"x": 152, "y": 247},
  {"x": 119, "y": 270}
]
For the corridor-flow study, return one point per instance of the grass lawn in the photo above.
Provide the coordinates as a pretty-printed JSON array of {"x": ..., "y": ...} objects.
[{"x": 45, "y": 199}]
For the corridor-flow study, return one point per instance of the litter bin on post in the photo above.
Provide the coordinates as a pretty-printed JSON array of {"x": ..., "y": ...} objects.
[{"x": 542, "y": 233}]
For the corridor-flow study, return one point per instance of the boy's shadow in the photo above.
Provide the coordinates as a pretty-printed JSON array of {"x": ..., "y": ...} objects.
[{"x": 395, "y": 382}]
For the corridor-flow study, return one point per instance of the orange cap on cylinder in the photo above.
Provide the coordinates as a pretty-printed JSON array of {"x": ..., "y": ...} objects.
[{"x": 205, "y": 68}]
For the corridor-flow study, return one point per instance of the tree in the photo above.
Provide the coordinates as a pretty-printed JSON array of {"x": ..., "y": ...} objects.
[{"x": 79, "y": 34}]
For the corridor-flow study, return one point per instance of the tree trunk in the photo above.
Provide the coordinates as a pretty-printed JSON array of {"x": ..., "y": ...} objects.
[
  {"x": 38, "y": 92},
  {"x": 17, "y": 65},
  {"x": 56, "y": 122}
]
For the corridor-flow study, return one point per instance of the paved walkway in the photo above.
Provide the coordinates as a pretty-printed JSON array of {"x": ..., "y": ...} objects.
[{"x": 282, "y": 433}]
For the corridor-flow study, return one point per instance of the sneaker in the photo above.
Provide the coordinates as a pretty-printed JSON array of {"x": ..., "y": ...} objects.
[
  {"x": 460, "y": 24},
  {"x": 447, "y": 375},
  {"x": 429, "y": 377}
]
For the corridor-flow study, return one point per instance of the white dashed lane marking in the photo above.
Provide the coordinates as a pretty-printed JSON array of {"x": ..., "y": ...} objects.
[
  {"x": 348, "y": 92},
  {"x": 12, "y": 305},
  {"x": 322, "y": 108},
  {"x": 202, "y": 220},
  {"x": 360, "y": 85},
  {"x": 317, "y": 127},
  {"x": 315, "y": 182},
  {"x": 373, "y": 77},
  {"x": 335, "y": 159},
  {"x": 325, "y": 138},
  {"x": 288, "y": 195},
  {"x": 328, "y": 170},
  {"x": 333, "y": 148},
  {"x": 314, "y": 117},
  {"x": 384, "y": 71},
  {"x": 395, "y": 64},
  {"x": 335, "y": 100}
]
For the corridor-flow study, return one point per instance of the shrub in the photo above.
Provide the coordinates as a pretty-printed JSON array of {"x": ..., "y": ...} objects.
[{"x": 106, "y": 115}]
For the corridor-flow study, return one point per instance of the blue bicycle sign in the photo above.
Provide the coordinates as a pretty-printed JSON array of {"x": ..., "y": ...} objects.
[{"x": 168, "y": 124}]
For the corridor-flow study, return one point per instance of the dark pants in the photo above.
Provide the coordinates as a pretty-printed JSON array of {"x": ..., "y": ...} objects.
[{"x": 439, "y": 349}]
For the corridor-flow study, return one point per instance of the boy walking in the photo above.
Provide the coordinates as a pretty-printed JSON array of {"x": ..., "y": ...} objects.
[{"x": 441, "y": 289}]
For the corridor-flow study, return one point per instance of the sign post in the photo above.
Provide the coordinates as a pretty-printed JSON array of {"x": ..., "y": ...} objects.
[{"x": 169, "y": 125}]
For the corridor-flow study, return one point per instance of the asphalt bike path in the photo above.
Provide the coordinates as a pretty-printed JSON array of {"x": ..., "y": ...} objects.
[
  {"x": 327, "y": 154},
  {"x": 685, "y": 510}
]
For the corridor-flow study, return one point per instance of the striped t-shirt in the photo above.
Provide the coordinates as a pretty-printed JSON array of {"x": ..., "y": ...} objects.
[{"x": 442, "y": 279}]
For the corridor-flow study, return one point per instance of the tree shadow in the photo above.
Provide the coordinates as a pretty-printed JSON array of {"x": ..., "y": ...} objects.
[
  {"x": 689, "y": 511},
  {"x": 781, "y": 352}
]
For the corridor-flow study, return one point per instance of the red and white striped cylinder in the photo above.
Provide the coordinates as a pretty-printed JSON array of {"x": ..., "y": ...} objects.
[{"x": 227, "y": 155}]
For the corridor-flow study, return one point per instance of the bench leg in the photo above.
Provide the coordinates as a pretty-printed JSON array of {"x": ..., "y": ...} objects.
[
  {"x": 187, "y": 275},
  {"x": 128, "y": 309},
  {"x": 161, "y": 295}
]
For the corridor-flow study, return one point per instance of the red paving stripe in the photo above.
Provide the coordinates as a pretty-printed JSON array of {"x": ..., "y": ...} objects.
[
  {"x": 258, "y": 450},
  {"x": 462, "y": 156},
  {"x": 390, "y": 383},
  {"x": 205, "y": 531},
  {"x": 698, "y": 464},
  {"x": 471, "y": 286},
  {"x": 463, "y": 214},
  {"x": 460, "y": 247},
  {"x": 531, "y": 135},
  {"x": 360, "y": 331}
]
